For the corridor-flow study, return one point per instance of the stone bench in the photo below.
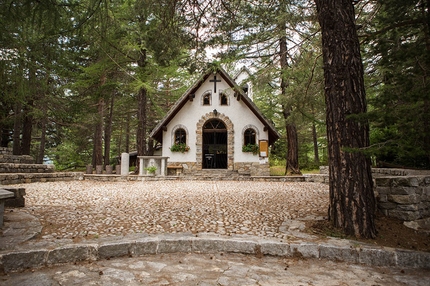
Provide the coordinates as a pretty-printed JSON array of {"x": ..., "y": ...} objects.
[
  {"x": 18, "y": 200},
  {"x": 4, "y": 195},
  {"x": 176, "y": 169}
]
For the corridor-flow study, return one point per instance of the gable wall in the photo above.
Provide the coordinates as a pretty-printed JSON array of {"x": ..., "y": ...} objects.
[{"x": 193, "y": 111}]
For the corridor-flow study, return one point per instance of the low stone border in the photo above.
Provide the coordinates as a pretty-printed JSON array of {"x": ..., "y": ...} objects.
[
  {"x": 118, "y": 178},
  {"x": 205, "y": 243},
  {"x": 25, "y": 178}
]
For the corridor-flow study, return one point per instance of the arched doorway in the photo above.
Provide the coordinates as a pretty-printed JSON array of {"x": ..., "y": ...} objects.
[{"x": 214, "y": 145}]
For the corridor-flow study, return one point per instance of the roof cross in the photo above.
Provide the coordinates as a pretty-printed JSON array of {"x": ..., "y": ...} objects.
[{"x": 215, "y": 81}]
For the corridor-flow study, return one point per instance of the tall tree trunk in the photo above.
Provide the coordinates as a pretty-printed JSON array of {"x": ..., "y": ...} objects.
[
  {"x": 292, "y": 166},
  {"x": 352, "y": 201},
  {"x": 41, "y": 153},
  {"x": 108, "y": 131},
  {"x": 98, "y": 135},
  {"x": 127, "y": 133},
  {"x": 315, "y": 142},
  {"x": 16, "y": 147},
  {"x": 292, "y": 157},
  {"x": 5, "y": 126},
  {"x": 141, "y": 121},
  {"x": 426, "y": 108},
  {"x": 141, "y": 112},
  {"x": 27, "y": 128},
  {"x": 150, "y": 151},
  {"x": 27, "y": 123}
]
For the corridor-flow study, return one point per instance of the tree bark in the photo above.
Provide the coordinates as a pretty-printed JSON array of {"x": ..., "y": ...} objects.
[
  {"x": 292, "y": 157},
  {"x": 127, "y": 133},
  {"x": 141, "y": 112},
  {"x": 352, "y": 200},
  {"x": 98, "y": 135},
  {"x": 108, "y": 131},
  {"x": 292, "y": 167},
  {"x": 41, "y": 153},
  {"x": 315, "y": 143},
  {"x": 27, "y": 128},
  {"x": 426, "y": 108},
  {"x": 5, "y": 124},
  {"x": 16, "y": 147},
  {"x": 141, "y": 121}
]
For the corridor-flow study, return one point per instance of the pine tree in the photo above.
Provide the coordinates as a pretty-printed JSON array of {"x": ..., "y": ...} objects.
[
  {"x": 398, "y": 52},
  {"x": 352, "y": 201}
]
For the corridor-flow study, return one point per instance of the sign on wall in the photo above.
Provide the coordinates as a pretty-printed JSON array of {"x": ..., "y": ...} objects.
[{"x": 264, "y": 148}]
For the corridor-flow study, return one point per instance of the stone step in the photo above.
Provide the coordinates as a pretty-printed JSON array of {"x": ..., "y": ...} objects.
[
  {"x": 26, "y": 168},
  {"x": 5, "y": 150},
  {"x": 23, "y": 178},
  {"x": 16, "y": 159},
  {"x": 216, "y": 173}
]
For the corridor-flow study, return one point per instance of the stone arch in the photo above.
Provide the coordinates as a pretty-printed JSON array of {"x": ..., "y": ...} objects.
[
  {"x": 230, "y": 138},
  {"x": 207, "y": 93},
  {"x": 226, "y": 97},
  {"x": 176, "y": 127},
  {"x": 257, "y": 133}
]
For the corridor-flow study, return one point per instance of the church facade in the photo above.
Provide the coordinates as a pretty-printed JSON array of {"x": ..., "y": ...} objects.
[{"x": 215, "y": 125}]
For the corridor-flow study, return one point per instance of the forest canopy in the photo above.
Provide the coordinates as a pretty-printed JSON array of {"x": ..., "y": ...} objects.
[{"x": 84, "y": 81}]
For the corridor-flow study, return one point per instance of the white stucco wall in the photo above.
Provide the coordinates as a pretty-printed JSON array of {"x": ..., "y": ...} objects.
[{"x": 192, "y": 112}]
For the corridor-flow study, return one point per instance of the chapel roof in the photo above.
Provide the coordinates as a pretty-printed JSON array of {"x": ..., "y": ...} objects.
[{"x": 157, "y": 132}]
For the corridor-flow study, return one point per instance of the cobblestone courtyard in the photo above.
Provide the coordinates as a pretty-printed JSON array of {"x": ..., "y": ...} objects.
[{"x": 87, "y": 209}]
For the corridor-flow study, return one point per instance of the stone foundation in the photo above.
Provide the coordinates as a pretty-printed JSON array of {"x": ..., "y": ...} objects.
[
  {"x": 22, "y": 178},
  {"x": 406, "y": 198},
  {"x": 403, "y": 194},
  {"x": 240, "y": 169},
  {"x": 252, "y": 169}
]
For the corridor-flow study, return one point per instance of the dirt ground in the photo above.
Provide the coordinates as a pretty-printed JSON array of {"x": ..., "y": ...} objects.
[{"x": 391, "y": 233}]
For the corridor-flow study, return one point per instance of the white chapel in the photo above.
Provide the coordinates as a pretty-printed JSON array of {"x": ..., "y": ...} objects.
[{"x": 207, "y": 128}]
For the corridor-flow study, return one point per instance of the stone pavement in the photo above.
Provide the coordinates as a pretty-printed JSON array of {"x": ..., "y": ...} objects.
[
  {"x": 216, "y": 269},
  {"x": 243, "y": 235}
]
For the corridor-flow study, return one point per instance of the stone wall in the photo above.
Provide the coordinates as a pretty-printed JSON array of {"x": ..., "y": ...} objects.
[
  {"x": 401, "y": 193},
  {"x": 241, "y": 169},
  {"x": 6, "y": 156},
  {"x": 252, "y": 169},
  {"x": 4, "y": 150},
  {"x": 25, "y": 178},
  {"x": 405, "y": 197},
  {"x": 26, "y": 168}
]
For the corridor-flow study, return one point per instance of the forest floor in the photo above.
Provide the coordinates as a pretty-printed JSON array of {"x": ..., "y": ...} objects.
[{"x": 391, "y": 233}]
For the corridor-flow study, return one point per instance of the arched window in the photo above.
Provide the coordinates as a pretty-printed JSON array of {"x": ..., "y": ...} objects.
[
  {"x": 207, "y": 99},
  {"x": 249, "y": 136},
  {"x": 180, "y": 136},
  {"x": 223, "y": 99}
]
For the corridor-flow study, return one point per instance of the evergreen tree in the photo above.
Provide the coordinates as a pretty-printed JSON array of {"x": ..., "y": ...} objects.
[
  {"x": 266, "y": 33},
  {"x": 352, "y": 200},
  {"x": 398, "y": 52}
]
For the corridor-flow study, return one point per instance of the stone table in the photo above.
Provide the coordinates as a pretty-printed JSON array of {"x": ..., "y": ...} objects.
[{"x": 3, "y": 196}]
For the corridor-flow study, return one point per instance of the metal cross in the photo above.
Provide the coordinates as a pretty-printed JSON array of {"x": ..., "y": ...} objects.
[{"x": 215, "y": 81}]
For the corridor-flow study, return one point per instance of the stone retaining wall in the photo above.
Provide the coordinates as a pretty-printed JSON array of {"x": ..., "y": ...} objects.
[
  {"x": 404, "y": 197},
  {"x": 252, "y": 169},
  {"x": 4, "y": 150},
  {"x": 239, "y": 169},
  {"x": 26, "y": 168},
  {"x": 401, "y": 193},
  {"x": 24, "y": 178},
  {"x": 347, "y": 252}
]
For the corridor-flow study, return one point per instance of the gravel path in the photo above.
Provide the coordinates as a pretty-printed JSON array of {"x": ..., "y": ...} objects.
[{"x": 88, "y": 209}]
